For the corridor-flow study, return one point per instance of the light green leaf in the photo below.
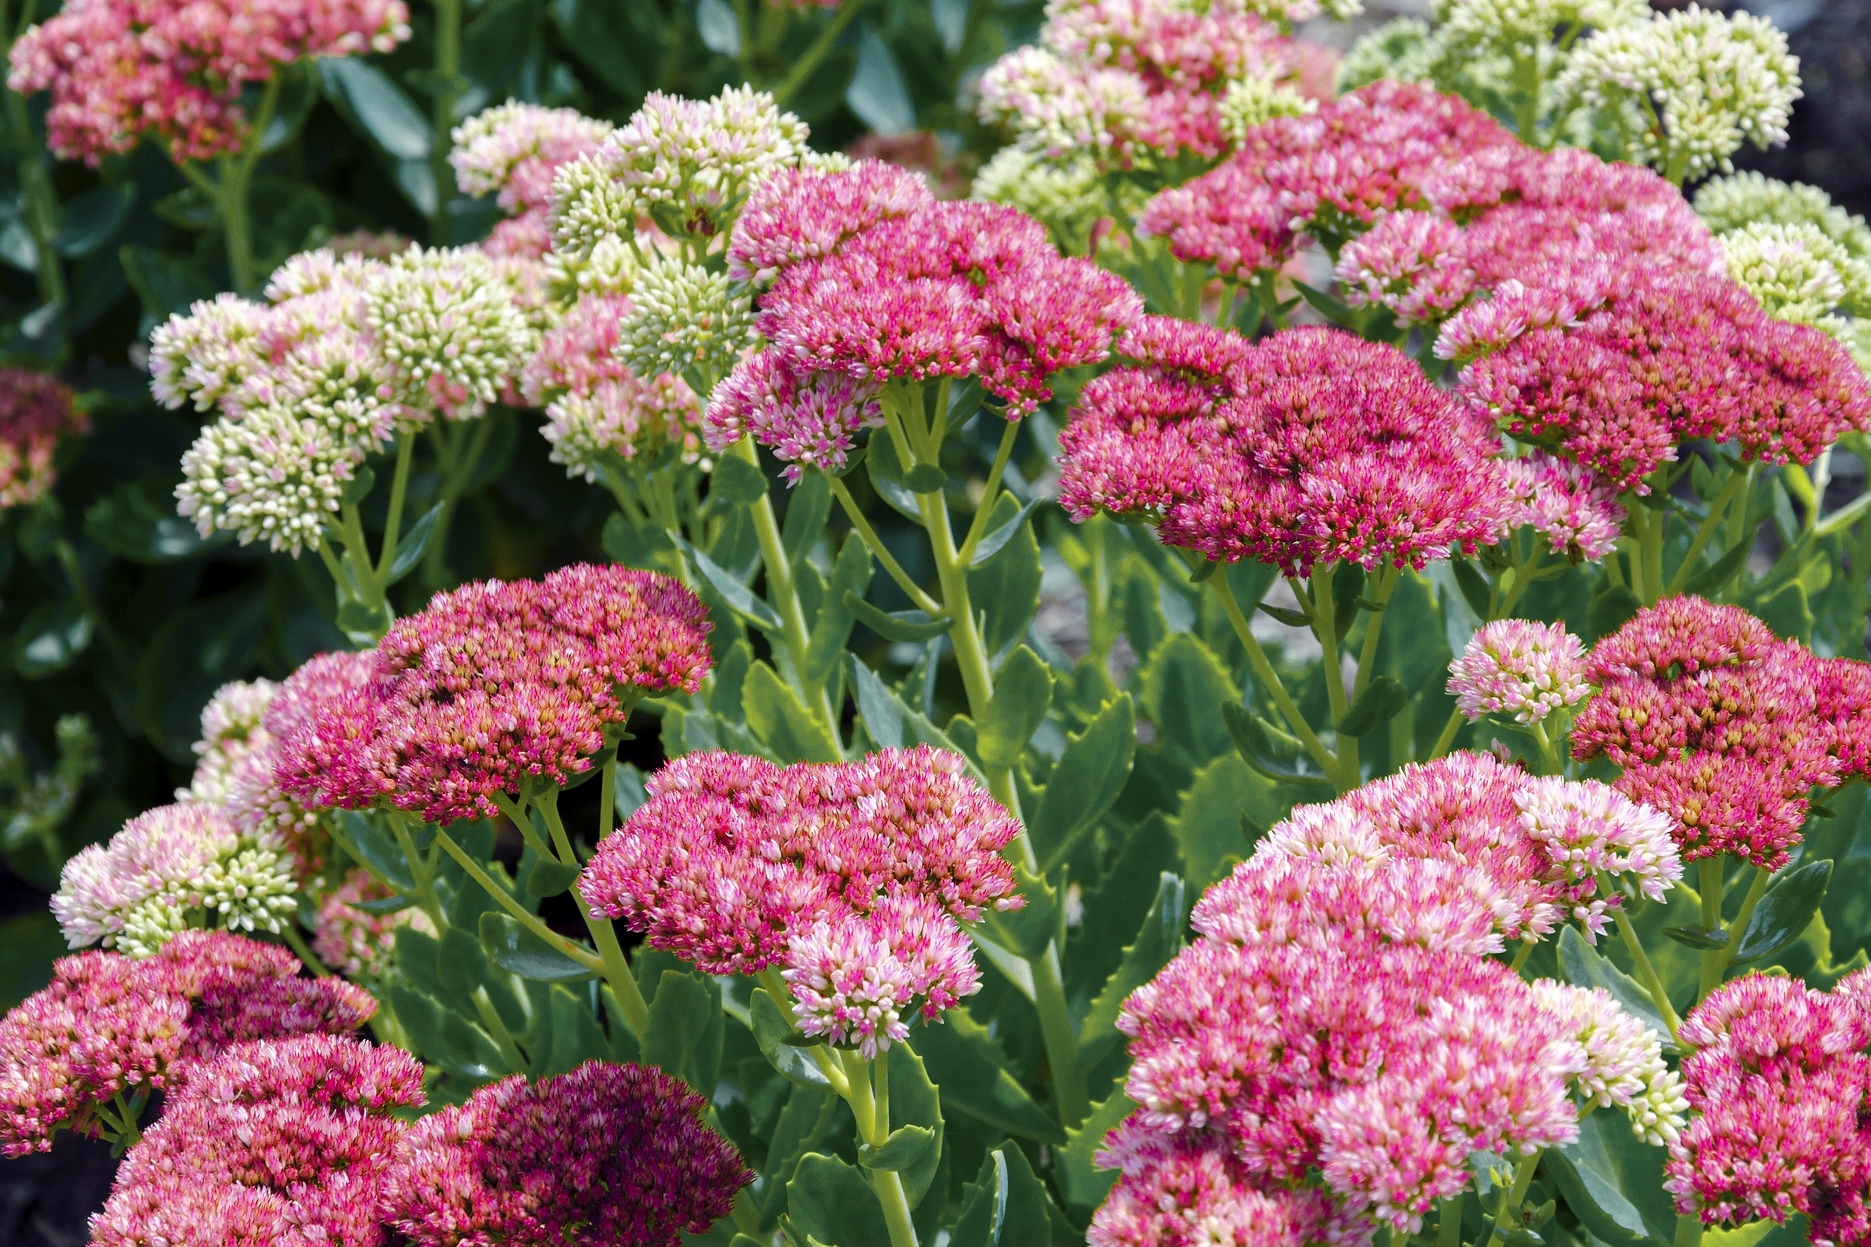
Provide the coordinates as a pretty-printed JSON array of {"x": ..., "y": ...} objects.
[{"x": 782, "y": 722}]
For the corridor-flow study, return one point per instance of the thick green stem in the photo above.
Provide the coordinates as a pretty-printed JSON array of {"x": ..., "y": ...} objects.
[
  {"x": 303, "y": 951},
  {"x": 1710, "y": 880},
  {"x": 868, "y": 1095},
  {"x": 399, "y": 491},
  {"x": 610, "y": 951},
  {"x": 1269, "y": 678},
  {"x": 236, "y": 183},
  {"x": 1527, "y": 95},
  {"x": 1324, "y": 611},
  {"x": 816, "y": 51},
  {"x": 1647, "y": 974},
  {"x": 1757, "y": 888},
  {"x": 1651, "y": 543},
  {"x": 419, "y": 870},
  {"x": 506, "y": 900},
  {"x": 990, "y": 494},
  {"x": 442, "y": 123},
  {"x": 1446, "y": 737},
  {"x": 1449, "y": 1221},
  {"x": 1706, "y": 529},
  {"x": 861, "y": 525}
]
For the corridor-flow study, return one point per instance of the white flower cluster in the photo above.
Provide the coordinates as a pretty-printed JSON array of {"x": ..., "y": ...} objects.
[
  {"x": 1621, "y": 1063},
  {"x": 686, "y": 320},
  {"x": 1701, "y": 82},
  {"x": 231, "y": 732}
]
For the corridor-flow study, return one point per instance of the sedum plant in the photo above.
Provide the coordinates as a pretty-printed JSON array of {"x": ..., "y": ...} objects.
[{"x": 1291, "y": 673}]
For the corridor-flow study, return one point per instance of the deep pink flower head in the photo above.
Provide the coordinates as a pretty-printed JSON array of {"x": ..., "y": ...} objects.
[
  {"x": 120, "y": 69},
  {"x": 1780, "y": 1081},
  {"x": 610, "y": 1155},
  {"x": 1332, "y": 171},
  {"x": 36, "y": 413},
  {"x": 1578, "y": 514},
  {"x": 110, "y": 1023},
  {"x": 852, "y": 877},
  {"x": 1717, "y": 723},
  {"x": 874, "y": 279},
  {"x": 807, "y": 419},
  {"x": 496, "y": 685},
  {"x": 1314, "y": 446},
  {"x": 279, "y": 1141}
]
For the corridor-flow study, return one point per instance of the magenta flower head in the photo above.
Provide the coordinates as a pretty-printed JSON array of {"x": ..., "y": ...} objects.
[
  {"x": 1778, "y": 1076},
  {"x": 1520, "y": 668},
  {"x": 1561, "y": 500},
  {"x": 1312, "y": 447},
  {"x": 36, "y": 414},
  {"x": 122, "y": 69},
  {"x": 852, "y": 878},
  {"x": 276, "y": 1141},
  {"x": 611, "y": 1155},
  {"x": 873, "y": 279},
  {"x": 497, "y": 685},
  {"x": 1718, "y": 723},
  {"x": 110, "y": 1024}
]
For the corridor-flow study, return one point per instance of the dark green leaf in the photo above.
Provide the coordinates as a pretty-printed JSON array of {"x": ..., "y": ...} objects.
[
  {"x": 877, "y": 93},
  {"x": 832, "y": 1204},
  {"x": 1082, "y": 1182},
  {"x": 1030, "y": 928},
  {"x": 1181, "y": 686},
  {"x": 736, "y": 596},
  {"x": 808, "y": 505},
  {"x": 1022, "y": 695},
  {"x": 137, "y": 521},
  {"x": 446, "y": 1038},
  {"x": 781, "y": 721},
  {"x": 388, "y": 115},
  {"x": 1611, "y": 609},
  {"x": 92, "y": 219},
  {"x": 1381, "y": 699},
  {"x": 1006, "y": 591},
  {"x": 972, "y": 1070},
  {"x": 1005, "y": 1206},
  {"x": 1207, "y": 825},
  {"x": 1159, "y": 939},
  {"x": 914, "y": 1104},
  {"x": 512, "y": 947},
  {"x": 51, "y": 636},
  {"x": 886, "y": 472},
  {"x": 1474, "y": 586},
  {"x": 1788, "y": 613},
  {"x": 774, "y": 1032},
  {"x": 549, "y": 878},
  {"x": 889, "y": 721},
  {"x": 374, "y": 848},
  {"x": 615, "y": 42},
  {"x": 1697, "y": 937},
  {"x": 1713, "y": 579},
  {"x": 995, "y": 539},
  {"x": 686, "y": 1028},
  {"x": 1613, "y": 1183},
  {"x": 909, "y": 625},
  {"x": 1086, "y": 780},
  {"x": 460, "y": 963},
  {"x": 1785, "y": 911},
  {"x": 736, "y": 482},
  {"x": 1329, "y": 306},
  {"x": 831, "y": 630},
  {"x": 1291, "y": 618},
  {"x": 414, "y": 544},
  {"x": 906, "y": 1146},
  {"x": 383, "y": 904},
  {"x": 164, "y": 283}
]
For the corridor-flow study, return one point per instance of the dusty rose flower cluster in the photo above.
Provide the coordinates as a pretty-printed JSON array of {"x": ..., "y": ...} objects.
[
  {"x": 122, "y": 69},
  {"x": 611, "y": 1154},
  {"x": 1779, "y": 1076},
  {"x": 1310, "y": 447},
  {"x": 1722, "y": 725},
  {"x": 494, "y": 686},
  {"x": 852, "y": 878},
  {"x": 110, "y": 1025},
  {"x": 36, "y": 414},
  {"x": 1340, "y": 1017},
  {"x": 869, "y": 279}
]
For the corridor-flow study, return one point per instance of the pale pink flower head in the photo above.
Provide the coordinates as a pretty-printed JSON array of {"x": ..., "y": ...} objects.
[
  {"x": 1409, "y": 262},
  {"x": 282, "y": 1141},
  {"x": 1778, "y": 1078},
  {"x": 122, "y": 69},
  {"x": 1588, "y": 829},
  {"x": 497, "y": 685},
  {"x": 1518, "y": 667},
  {"x": 354, "y": 941},
  {"x": 1563, "y": 501},
  {"x": 1312, "y": 447},
  {"x": 879, "y": 282},
  {"x": 1681, "y": 636},
  {"x": 36, "y": 414},
  {"x": 512, "y": 150},
  {"x": 110, "y": 1023},
  {"x": 613, "y": 1154},
  {"x": 854, "y": 878}
]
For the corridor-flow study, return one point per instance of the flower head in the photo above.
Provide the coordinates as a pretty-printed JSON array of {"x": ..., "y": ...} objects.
[
  {"x": 1313, "y": 447},
  {"x": 355, "y": 941},
  {"x": 1578, "y": 514},
  {"x": 851, "y": 877},
  {"x": 614, "y": 1154},
  {"x": 233, "y": 729},
  {"x": 122, "y": 69},
  {"x": 683, "y": 319},
  {"x": 447, "y": 328},
  {"x": 1796, "y": 271},
  {"x": 108, "y": 1023},
  {"x": 1188, "y": 1191},
  {"x": 1623, "y": 1066},
  {"x": 197, "y": 356},
  {"x": 808, "y": 420},
  {"x": 494, "y": 686},
  {"x": 280, "y": 1140},
  {"x": 36, "y": 414},
  {"x": 1588, "y": 829},
  {"x": 274, "y": 476},
  {"x": 1518, "y": 667},
  {"x": 512, "y": 151},
  {"x": 140, "y": 889}
]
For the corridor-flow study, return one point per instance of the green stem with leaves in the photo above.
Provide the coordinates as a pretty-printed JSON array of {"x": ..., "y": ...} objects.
[
  {"x": 1269, "y": 679},
  {"x": 1508, "y": 1212},
  {"x": 1647, "y": 974},
  {"x": 816, "y": 52},
  {"x": 1731, "y": 486},
  {"x": 868, "y": 1094},
  {"x": 1711, "y": 879},
  {"x": 447, "y": 85}
]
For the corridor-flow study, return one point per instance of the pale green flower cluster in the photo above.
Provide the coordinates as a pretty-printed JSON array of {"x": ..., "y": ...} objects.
[
  {"x": 686, "y": 320},
  {"x": 1806, "y": 259},
  {"x": 1249, "y": 102},
  {"x": 1067, "y": 196},
  {"x": 448, "y": 327},
  {"x": 1702, "y": 82}
]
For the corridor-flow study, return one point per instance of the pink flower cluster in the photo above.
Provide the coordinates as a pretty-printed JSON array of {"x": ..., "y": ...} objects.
[
  {"x": 1518, "y": 667},
  {"x": 1780, "y": 1078},
  {"x": 512, "y": 151},
  {"x": 36, "y": 414},
  {"x": 594, "y": 404},
  {"x": 606, "y": 1154},
  {"x": 1311, "y": 447},
  {"x": 852, "y": 877},
  {"x": 1721, "y": 725},
  {"x": 122, "y": 69},
  {"x": 497, "y": 685},
  {"x": 281, "y": 1141},
  {"x": 111, "y": 1024},
  {"x": 1561, "y": 500},
  {"x": 1329, "y": 173},
  {"x": 874, "y": 280},
  {"x": 1132, "y": 80},
  {"x": 1340, "y": 1016},
  {"x": 355, "y": 941}
]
